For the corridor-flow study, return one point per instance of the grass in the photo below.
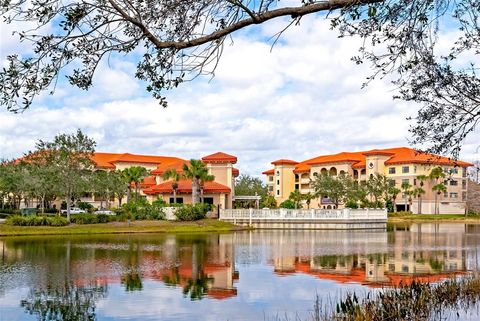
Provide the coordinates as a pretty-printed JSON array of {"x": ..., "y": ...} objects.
[
  {"x": 407, "y": 217},
  {"x": 206, "y": 225}
]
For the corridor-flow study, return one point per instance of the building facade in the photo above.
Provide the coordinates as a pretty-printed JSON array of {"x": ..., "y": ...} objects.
[
  {"x": 399, "y": 165},
  {"x": 219, "y": 192}
]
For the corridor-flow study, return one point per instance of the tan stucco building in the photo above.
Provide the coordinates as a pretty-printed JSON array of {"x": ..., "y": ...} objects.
[
  {"x": 219, "y": 192},
  {"x": 400, "y": 165}
]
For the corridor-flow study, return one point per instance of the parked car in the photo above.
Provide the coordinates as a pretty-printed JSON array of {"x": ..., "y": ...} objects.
[
  {"x": 104, "y": 211},
  {"x": 74, "y": 210}
]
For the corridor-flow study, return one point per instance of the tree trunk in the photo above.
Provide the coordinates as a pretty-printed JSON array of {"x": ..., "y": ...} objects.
[
  {"x": 394, "y": 204},
  {"x": 436, "y": 197},
  {"x": 129, "y": 193},
  {"x": 69, "y": 197},
  {"x": 195, "y": 187},
  {"x": 406, "y": 202},
  {"x": 136, "y": 192},
  {"x": 174, "y": 195},
  {"x": 419, "y": 205},
  {"x": 42, "y": 205}
]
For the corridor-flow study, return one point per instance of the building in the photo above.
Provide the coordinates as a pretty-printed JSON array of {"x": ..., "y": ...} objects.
[
  {"x": 219, "y": 192},
  {"x": 400, "y": 165}
]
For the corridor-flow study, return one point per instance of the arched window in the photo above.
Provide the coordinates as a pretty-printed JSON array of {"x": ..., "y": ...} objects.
[
  {"x": 333, "y": 171},
  {"x": 323, "y": 171},
  {"x": 342, "y": 172}
]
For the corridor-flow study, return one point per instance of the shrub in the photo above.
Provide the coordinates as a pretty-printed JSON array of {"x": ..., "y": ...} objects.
[
  {"x": 84, "y": 218},
  {"x": 18, "y": 220},
  {"x": 189, "y": 212},
  {"x": 287, "y": 204},
  {"x": 141, "y": 209},
  {"x": 85, "y": 206},
  {"x": 351, "y": 204}
]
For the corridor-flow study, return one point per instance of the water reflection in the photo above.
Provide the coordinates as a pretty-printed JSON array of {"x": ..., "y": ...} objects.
[{"x": 80, "y": 278}]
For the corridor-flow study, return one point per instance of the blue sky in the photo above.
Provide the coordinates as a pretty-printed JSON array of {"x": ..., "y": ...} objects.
[{"x": 300, "y": 100}]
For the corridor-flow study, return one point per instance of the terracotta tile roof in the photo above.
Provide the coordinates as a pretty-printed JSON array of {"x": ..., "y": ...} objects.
[
  {"x": 235, "y": 172},
  {"x": 176, "y": 164},
  {"x": 220, "y": 158},
  {"x": 148, "y": 181},
  {"x": 269, "y": 172},
  {"x": 108, "y": 160},
  {"x": 284, "y": 162},
  {"x": 185, "y": 186},
  {"x": 400, "y": 155}
]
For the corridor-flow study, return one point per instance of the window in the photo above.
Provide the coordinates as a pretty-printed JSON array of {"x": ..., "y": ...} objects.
[
  {"x": 415, "y": 169},
  {"x": 453, "y": 195},
  {"x": 296, "y": 186},
  {"x": 464, "y": 172},
  {"x": 278, "y": 182},
  {"x": 270, "y": 188},
  {"x": 391, "y": 182},
  {"x": 464, "y": 196},
  {"x": 179, "y": 200},
  {"x": 278, "y": 173},
  {"x": 405, "y": 181},
  {"x": 208, "y": 200},
  {"x": 453, "y": 183},
  {"x": 405, "y": 169},
  {"x": 391, "y": 170},
  {"x": 414, "y": 182},
  {"x": 270, "y": 178},
  {"x": 454, "y": 170},
  {"x": 315, "y": 174},
  {"x": 464, "y": 184},
  {"x": 296, "y": 177},
  {"x": 445, "y": 194},
  {"x": 278, "y": 192}
]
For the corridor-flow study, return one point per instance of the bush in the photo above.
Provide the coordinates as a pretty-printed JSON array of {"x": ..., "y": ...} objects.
[
  {"x": 84, "y": 218},
  {"x": 287, "y": 204},
  {"x": 18, "y": 220},
  {"x": 141, "y": 209},
  {"x": 189, "y": 212},
  {"x": 85, "y": 206},
  {"x": 351, "y": 204}
]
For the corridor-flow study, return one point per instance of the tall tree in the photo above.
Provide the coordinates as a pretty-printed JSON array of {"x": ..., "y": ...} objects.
[
  {"x": 249, "y": 186},
  {"x": 438, "y": 189},
  {"x": 172, "y": 174},
  {"x": 308, "y": 197},
  {"x": 406, "y": 189},
  {"x": 118, "y": 185},
  {"x": 417, "y": 193},
  {"x": 71, "y": 155},
  {"x": 332, "y": 187},
  {"x": 197, "y": 172},
  {"x": 296, "y": 197},
  {"x": 182, "y": 39},
  {"x": 134, "y": 175},
  {"x": 422, "y": 179}
]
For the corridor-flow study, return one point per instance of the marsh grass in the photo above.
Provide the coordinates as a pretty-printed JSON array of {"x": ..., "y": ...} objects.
[{"x": 414, "y": 302}]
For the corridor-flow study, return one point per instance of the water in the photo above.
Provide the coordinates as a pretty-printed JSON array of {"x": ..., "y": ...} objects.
[{"x": 255, "y": 275}]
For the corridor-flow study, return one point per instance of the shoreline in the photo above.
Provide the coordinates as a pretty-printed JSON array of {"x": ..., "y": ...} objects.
[
  {"x": 135, "y": 227},
  {"x": 432, "y": 218}
]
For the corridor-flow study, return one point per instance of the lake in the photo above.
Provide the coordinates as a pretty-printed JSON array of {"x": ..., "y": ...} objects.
[{"x": 251, "y": 275}]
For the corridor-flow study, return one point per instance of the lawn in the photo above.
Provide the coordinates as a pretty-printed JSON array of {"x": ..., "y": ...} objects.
[
  {"x": 206, "y": 225},
  {"x": 393, "y": 217}
]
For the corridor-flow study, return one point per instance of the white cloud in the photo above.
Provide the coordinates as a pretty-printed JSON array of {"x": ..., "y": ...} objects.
[{"x": 301, "y": 100}]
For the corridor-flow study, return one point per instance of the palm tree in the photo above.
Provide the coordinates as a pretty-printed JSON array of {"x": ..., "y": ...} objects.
[
  {"x": 175, "y": 177},
  {"x": 435, "y": 174},
  {"x": 197, "y": 171},
  {"x": 394, "y": 192},
  {"x": 422, "y": 179},
  {"x": 134, "y": 174},
  {"x": 296, "y": 197},
  {"x": 438, "y": 189},
  {"x": 406, "y": 191},
  {"x": 308, "y": 198},
  {"x": 418, "y": 192}
]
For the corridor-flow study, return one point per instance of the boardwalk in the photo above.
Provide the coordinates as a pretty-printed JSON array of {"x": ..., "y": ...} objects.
[{"x": 307, "y": 218}]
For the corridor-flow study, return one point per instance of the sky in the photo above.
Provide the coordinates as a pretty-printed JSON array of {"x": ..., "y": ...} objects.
[{"x": 301, "y": 99}]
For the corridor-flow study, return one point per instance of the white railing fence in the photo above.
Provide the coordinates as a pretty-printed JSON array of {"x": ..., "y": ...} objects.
[{"x": 304, "y": 214}]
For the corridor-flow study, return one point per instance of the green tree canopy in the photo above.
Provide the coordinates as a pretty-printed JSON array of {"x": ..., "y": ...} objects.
[{"x": 249, "y": 186}]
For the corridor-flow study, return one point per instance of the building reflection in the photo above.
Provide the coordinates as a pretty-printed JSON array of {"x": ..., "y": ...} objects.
[{"x": 420, "y": 252}]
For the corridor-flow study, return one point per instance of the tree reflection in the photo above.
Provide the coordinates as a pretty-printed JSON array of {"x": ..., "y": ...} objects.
[
  {"x": 197, "y": 287},
  {"x": 70, "y": 303},
  {"x": 132, "y": 281}
]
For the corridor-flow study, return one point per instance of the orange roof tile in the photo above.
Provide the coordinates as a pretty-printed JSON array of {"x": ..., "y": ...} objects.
[
  {"x": 176, "y": 164},
  {"x": 220, "y": 158},
  {"x": 235, "y": 172},
  {"x": 400, "y": 155},
  {"x": 269, "y": 172},
  {"x": 284, "y": 162},
  {"x": 108, "y": 160},
  {"x": 185, "y": 186}
]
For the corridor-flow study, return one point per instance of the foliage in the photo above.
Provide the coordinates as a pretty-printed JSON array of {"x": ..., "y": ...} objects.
[
  {"x": 17, "y": 220},
  {"x": 71, "y": 157},
  {"x": 351, "y": 204},
  {"x": 85, "y": 206},
  {"x": 189, "y": 212},
  {"x": 141, "y": 209},
  {"x": 296, "y": 197},
  {"x": 91, "y": 218},
  {"x": 172, "y": 174},
  {"x": 268, "y": 201},
  {"x": 287, "y": 204},
  {"x": 248, "y": 185},
  {"x": 334, "y": 188},
  {"x": 134, "y": 175},
  {"x": 197, "y": 172}
]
